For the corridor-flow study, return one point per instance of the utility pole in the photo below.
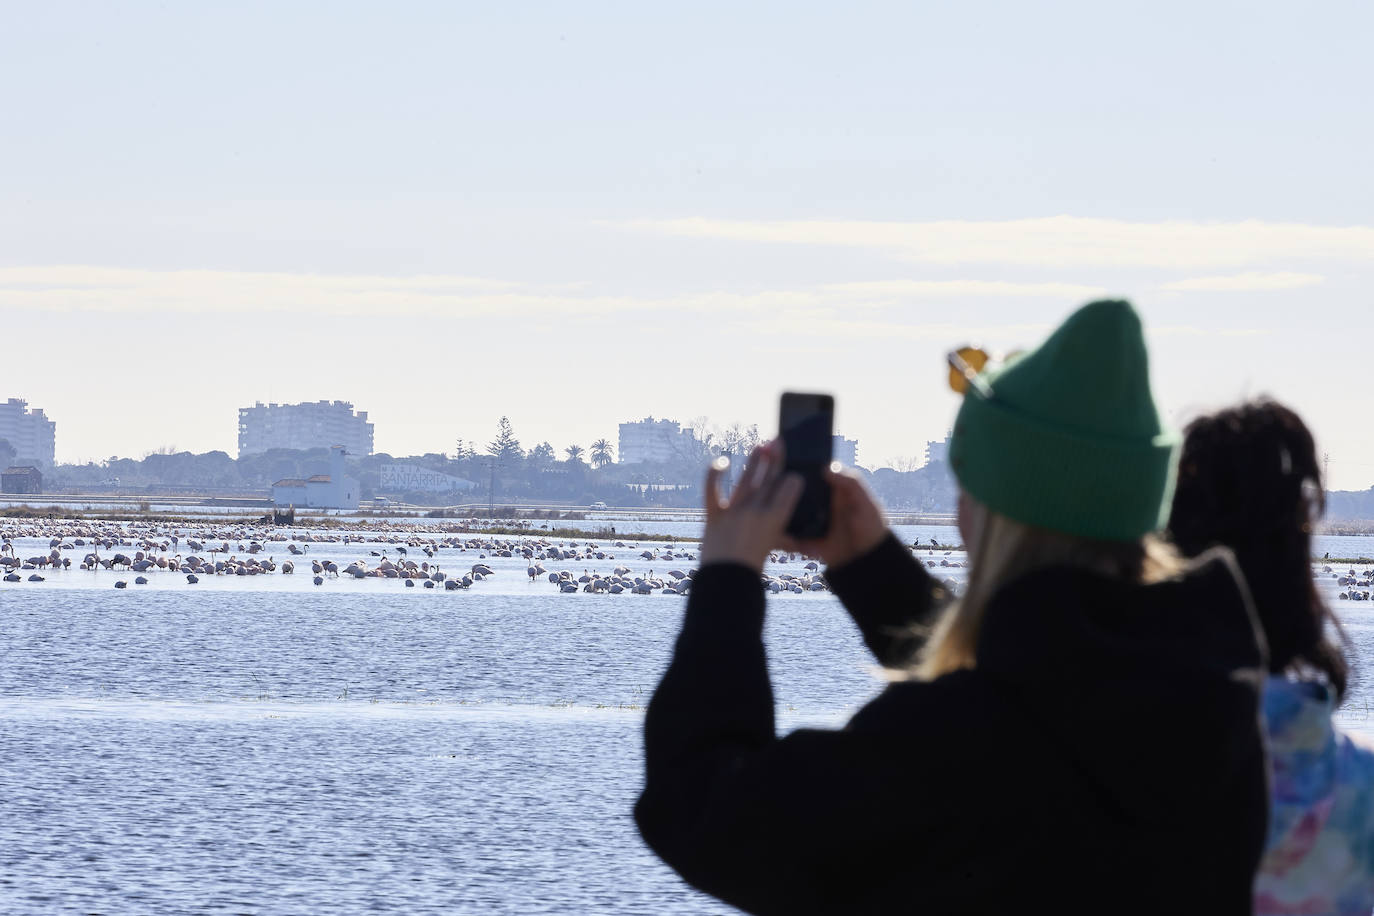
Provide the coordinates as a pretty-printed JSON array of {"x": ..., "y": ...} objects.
[
  {"x": 491, "y": 489},
  {"x": 1326, "y": 470}
]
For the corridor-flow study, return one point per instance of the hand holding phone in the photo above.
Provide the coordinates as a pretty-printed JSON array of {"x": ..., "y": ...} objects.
[
  {"x": 747, "y": 526},
  {"x": 806, "y": 426},
  {"x": 856, "y": 523}
]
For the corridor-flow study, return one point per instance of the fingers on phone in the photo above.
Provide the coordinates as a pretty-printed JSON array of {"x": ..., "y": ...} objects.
[
  {"x": 842, "y": 485},
  {"x": 765, "y": 470},
  {"x": 714, "y": 503},
  {"x": 789, "y": 491}
]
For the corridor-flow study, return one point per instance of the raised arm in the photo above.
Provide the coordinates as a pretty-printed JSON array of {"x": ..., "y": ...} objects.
[
  {"x": 772, "y": 825},
  {"x": 888, "y": 593},
  {"x": 892, "y": 599}
]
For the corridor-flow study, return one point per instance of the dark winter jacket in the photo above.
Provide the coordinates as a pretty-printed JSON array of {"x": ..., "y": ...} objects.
[{"x": 1103, "y": 756}]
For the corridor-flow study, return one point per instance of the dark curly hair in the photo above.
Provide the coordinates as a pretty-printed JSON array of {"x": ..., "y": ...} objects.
[{"x": 1249, "y": 479}]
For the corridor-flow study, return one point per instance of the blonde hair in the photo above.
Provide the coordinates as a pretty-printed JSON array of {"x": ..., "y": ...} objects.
[{"x": 1004, "y": 551}]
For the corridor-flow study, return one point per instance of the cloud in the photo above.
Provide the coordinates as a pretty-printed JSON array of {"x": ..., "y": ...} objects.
[
  {"x": 79, "y": 276},
  {"x": 1189, "y": 330},
  {"x": 957, "y": 289},
  {"x": 831, "y": 324},
  {"x": 1057, "y": 241},
  {"x": 828, "y": 326},
  {"x": 139, "y": 291},
  {"x": 870, "y": 309},
  {"x": 1245, "y": 283},
  {"x": 113, "y": 289}
]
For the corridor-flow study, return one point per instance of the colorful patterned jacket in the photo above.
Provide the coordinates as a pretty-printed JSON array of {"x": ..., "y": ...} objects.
[{"x": 1320, "y": 855}]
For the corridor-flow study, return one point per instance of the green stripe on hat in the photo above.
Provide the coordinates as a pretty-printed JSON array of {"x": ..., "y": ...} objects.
[{"x": 1070, "y": 439}]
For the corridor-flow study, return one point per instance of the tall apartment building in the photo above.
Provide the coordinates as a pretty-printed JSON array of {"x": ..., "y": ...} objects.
[
  {"x": 845, "y": 451},
  {"x": 320, "y": 424},
  {"x": 938, "y": 451},
  {"x": 654, "y": 440},
  {"x": 30, "y": 432}
]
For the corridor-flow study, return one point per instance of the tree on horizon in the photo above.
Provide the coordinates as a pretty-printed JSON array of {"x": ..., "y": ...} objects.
[
  {"x": 543, "y": 455},
  {"x": 574, "y": 452},
  {"x": 464, "y": 450},
  {"x": 602, "y": 454},
  {"x": 505, "y": 448}
]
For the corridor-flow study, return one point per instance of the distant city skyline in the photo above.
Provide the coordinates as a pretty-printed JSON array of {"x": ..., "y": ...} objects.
[
  {"x": 580, "y": 214},
  {"x": 339, "y": 423}
]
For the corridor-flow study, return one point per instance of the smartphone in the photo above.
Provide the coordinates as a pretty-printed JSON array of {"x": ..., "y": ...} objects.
[{"x": 806, "y": 425}]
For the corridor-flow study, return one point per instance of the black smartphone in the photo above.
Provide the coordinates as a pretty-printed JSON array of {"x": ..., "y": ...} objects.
[{"x": 806, "y": 424}]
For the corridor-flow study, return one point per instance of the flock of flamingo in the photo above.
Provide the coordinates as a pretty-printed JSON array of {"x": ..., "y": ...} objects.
[
  {"x": 1354, "y": 586},
  {"x": 144, "y": 550}
]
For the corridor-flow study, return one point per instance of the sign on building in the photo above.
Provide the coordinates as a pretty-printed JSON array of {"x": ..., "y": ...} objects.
[{"x": 409, "y": 478}]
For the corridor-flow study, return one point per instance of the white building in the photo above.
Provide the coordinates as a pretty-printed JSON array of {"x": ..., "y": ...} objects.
[
  {"x": 304, "y": 426},
  {"x": 30, "y": 432},
  {"x": 335, "y": 490},
  {"x": 651, "y": 440},
  {"x": 845, "y": 451}
]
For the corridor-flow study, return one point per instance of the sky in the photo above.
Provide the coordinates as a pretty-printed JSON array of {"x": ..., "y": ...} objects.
[{"x": 579, "y": 214}]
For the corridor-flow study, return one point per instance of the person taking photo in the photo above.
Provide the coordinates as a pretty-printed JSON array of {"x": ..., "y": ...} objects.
[{"x": 1078, "y": 731}]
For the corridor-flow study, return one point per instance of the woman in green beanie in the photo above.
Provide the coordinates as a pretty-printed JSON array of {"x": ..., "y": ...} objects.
[{"x": 1078, "y": 731}]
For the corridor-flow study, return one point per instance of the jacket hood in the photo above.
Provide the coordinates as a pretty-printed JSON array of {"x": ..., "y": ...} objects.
[{"x": 1151, "y": 690}]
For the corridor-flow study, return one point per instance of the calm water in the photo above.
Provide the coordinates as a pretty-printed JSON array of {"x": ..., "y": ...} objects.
[{"x": 262, "y": 745}]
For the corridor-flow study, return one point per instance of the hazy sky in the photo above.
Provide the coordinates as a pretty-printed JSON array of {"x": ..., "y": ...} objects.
[{"x": 578, "y": 214}]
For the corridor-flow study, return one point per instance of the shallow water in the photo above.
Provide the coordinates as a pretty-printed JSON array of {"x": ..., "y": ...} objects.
[
  {"x": 263, "y": 745},
  {"x": 360, "y": 747}
]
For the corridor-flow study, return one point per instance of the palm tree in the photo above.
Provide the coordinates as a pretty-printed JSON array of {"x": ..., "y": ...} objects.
[
  {"x": 601, "y": 453},
  {"x": 574, "y": 452}
]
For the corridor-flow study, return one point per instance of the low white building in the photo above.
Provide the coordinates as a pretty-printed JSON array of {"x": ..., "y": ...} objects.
[{"x": 335, "y": 490}]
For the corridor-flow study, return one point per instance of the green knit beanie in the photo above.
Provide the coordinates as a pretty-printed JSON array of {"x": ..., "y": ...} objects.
[{"x": 1067, "y": 437}]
